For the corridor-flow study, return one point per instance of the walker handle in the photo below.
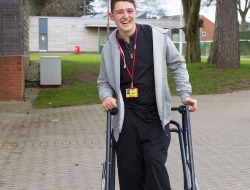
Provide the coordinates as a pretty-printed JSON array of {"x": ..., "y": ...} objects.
[
  {"x": 113, "y": 111},
  {"x": 181, "y": 109}
]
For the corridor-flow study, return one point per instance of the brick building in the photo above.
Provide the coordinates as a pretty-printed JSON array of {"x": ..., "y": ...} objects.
[
  {"x": 207, "y": 31},
  {"x": 14, "y": 48}
]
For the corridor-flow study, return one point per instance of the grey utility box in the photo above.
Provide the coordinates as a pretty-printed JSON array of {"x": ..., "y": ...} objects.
[{"x": 50, "y": 70}]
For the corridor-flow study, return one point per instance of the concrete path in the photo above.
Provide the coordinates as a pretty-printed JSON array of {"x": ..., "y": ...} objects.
[{"x": 63, "y": 148}]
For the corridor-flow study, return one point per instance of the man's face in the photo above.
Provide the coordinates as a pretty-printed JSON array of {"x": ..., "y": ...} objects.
[{"x": 124, "y": 15}]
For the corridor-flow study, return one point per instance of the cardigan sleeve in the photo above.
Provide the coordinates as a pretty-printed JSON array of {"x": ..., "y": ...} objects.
[
  {"x": 103, "y": 85},
  {"x": 177, "y": 66}
]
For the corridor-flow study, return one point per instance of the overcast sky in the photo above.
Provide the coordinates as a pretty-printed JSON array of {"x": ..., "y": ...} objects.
[{"x": 174, "y": 8}]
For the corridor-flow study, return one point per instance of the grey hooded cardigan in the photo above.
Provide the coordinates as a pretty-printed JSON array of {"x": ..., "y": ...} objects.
[{"x": 165, "y": 54}]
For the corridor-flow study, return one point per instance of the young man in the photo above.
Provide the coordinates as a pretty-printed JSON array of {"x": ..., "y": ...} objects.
[{"x": 133, "y": 79}]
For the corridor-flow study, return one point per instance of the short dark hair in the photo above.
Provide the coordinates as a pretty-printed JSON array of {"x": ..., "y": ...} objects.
[{"x": 113, "y": 2}]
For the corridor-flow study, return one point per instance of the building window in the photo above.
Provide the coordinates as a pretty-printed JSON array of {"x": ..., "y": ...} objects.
[{"x": 204, "y": 33}]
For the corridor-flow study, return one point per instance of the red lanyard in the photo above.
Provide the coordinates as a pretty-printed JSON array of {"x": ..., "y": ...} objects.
[{"x": 134, "y": 56}]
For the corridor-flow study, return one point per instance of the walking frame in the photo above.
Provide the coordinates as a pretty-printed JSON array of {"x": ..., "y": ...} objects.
[{"x": 185, "y": 141}]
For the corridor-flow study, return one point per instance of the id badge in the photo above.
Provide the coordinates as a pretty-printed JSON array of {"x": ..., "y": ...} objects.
[{"x": 132, "y": 92}]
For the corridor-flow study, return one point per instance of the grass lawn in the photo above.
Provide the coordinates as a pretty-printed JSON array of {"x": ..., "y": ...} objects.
[
  {"x": 206, "y": 79},
  {"x": 79, "y": 74},
  {"x": 80, "y": 71}
]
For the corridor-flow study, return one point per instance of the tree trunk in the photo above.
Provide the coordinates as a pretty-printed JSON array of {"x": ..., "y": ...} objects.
[
  {"x": 243, "y": 13},
  {"x": 225, "y": 49},
  {"x": 243, "y": 24},
  {"x": 191, "y": 9}
]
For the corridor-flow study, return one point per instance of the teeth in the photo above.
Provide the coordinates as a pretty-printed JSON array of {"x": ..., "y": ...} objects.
[{"x": 125, "y": 22}]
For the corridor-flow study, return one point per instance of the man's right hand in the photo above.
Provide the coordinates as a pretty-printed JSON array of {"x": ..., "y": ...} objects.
[{"x": 109, "y": 103}]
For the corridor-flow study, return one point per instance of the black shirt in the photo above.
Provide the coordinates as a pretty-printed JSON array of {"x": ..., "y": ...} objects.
[{"x": 143, "y": 70}]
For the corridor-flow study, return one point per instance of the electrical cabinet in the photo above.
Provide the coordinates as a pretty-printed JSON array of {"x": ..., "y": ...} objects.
[{"x": 50, "y": 70}]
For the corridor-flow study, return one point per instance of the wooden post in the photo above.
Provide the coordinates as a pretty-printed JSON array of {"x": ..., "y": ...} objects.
[
  {"x": 108, "y": 21},
  {"x": 84, "y": 7}
]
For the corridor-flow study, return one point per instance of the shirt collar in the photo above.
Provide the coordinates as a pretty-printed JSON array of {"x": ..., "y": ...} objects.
[{"x": 132, "y": 38}]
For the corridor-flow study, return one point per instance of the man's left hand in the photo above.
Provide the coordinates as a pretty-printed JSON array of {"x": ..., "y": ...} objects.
[{"x": 191, "y": 102}]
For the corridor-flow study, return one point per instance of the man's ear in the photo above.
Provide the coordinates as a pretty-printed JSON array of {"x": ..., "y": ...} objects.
[
  {"x": 111, "y": 16},
  {"x": 136, "y": 12}
]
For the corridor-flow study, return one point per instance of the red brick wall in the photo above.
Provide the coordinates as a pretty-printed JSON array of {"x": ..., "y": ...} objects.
[
  {"x": 12, "y": 77},
  {"x": 208, "y": 28}
]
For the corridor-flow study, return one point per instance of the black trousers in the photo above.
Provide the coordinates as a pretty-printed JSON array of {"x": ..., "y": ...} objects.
[{"x": 142, "y": 152}]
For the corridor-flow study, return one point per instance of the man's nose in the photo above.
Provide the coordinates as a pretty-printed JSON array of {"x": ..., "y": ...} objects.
[{"x": 125, "y": 14}]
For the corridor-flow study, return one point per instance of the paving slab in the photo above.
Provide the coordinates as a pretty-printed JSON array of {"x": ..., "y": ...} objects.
[{"x": 63, "y": 148}]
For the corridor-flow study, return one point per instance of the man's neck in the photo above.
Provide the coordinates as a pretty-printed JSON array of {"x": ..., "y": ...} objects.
[{"x": 126, "y": 35}]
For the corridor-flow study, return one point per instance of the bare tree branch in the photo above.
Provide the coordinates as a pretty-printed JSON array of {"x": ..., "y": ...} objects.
[
  {"x": 152, "y": 7},
  {"x": 59, "y": 7},
  {"x": 243, "y": 13}
]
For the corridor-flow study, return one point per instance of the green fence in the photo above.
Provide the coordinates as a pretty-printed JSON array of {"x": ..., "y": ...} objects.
[
  {"x": 244, "y": 48},
  {"x": 245, "y": 35},
  {"x": 206, "y": 47}
]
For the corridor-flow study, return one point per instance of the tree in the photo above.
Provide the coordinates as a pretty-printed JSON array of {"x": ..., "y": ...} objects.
[
  {"x": 225, "y": 48},
  {"x": 243, "y": 13},
  {"x": 152, "y": 7},
  {"x": 245, "y": 4},
  {"x": 207, "y": 3},
  {"x": 191, "y": 9},
  {"x": 36, "y": 6},
  {"x": 65, "y": 8}
]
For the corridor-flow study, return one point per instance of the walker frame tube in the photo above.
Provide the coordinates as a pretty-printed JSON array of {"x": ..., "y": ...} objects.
[
  {"x": 185, "y": 140},
  {"x": 108, "y": 173},
  {"x": 183, "y": 155}
]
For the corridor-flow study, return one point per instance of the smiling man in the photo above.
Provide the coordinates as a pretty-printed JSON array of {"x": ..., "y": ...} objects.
[{"x": 133, "y": 79}]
